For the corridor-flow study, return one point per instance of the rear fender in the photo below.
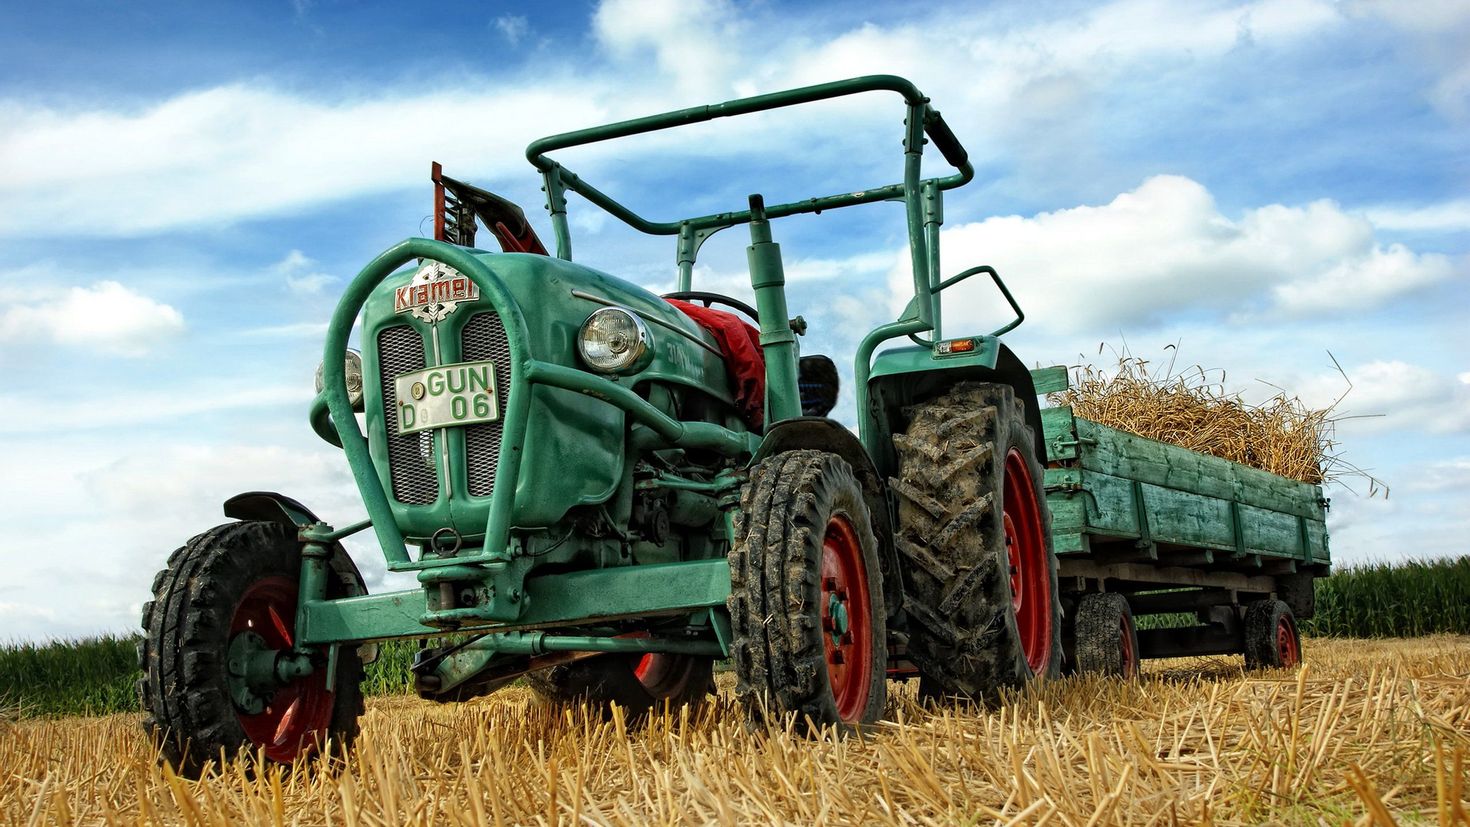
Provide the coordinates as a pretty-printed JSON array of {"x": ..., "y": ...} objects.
[
  {"x": 270, "y": 507},
  {"x": 822, "y": 434},
  {"x": 904, "y": 376}
]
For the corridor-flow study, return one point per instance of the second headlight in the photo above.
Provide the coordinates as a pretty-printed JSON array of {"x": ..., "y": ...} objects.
[{"x": 615, "y": 340}]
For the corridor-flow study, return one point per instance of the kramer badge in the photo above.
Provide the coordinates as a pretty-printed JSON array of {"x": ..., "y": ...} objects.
[{"x": 436, "y": 290}]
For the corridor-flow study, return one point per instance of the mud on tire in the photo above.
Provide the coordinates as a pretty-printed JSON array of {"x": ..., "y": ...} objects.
[
  {"x": 806, "y": 594},
  {"x": 963, "y": 631},
  {"x": 184, "y": 691}
]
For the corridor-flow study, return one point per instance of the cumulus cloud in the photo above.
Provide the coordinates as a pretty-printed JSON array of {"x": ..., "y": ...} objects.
[
  {"x": 301, "y": 275},
  {"x": 1165, "y": 247},
  {"x": 690, "y": 40},
  {"x": 238, "y": 151},
  {"x": 246, "y": 150},
  {"x": 1448, "y": 216},
  {"x": 125, "y": 489},
  {"x": 1395, "y": 395},
  {"x": 106, "y": 315},
  {"x": 512, "y": 27}
]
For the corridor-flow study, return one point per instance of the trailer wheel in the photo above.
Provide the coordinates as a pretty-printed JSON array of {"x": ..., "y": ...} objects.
[
  {"x": 1107, "y": 641},
  {"x": 980, "y": 587},
  {"x": 1271, "y": 639},
  {"x": 228, "y": 594},
  {"x": 638, "y": 684},
  {"x": 806, "y": 594}
]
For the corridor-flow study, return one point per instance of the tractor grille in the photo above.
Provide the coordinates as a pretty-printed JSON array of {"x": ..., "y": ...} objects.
[
  {"x": 484, "y": 338},
  {"x": 410, "y": 456}
]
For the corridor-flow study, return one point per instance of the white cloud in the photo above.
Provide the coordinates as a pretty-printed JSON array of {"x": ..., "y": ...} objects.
[
  {"x": 1450, "y": 475},
  {"x": 512, "y": 27},
  {"x": 301, "y": 276},
  {"x": 1447, "y": 216},
  {"x": 246, "y": 150},
  {"x": 238, "y": 151},
  {"x": 1165, "y": 248},
  {"x": 125, "y": 493},
  {"x": 106, "y": 315},
  {"x": 1395, "y": 395},
  {"x": 690, "y": 40},
  {"x": 52, "y": 410}
]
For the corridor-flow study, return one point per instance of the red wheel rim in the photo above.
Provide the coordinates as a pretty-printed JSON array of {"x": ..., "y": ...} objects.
[
  {"x": 847, "y": 623},
  {"x": 1287, "y": 649},
  {"x": 1129, "y": 656},
  {"x": 1031, "y": 598},
  {"x": 640, "y": 671},
  {"x": 299, "y": 713}
]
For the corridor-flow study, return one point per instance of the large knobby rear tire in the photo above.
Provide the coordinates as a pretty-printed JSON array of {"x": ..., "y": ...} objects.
[
  {"x": 980, "y": 579},
  {"x": 1107, "y": 640},
  {"x": 233, "y": 580},
  {"x": 1271, "y": 639},
  {"x": 806, "y": 594},
  {"x": 639, "y": 684}
]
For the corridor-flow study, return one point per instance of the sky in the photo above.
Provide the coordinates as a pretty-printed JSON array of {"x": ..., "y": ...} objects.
[{"x": 1276, "y": 189}]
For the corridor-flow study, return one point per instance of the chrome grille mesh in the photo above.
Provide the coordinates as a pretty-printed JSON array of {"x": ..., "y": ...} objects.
[
  {"x": 484, "y": 338},
  {"x": 410, "y": 456}
]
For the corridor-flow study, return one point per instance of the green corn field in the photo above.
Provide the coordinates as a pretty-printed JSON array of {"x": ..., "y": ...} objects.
[
  {"x": 96, "y": 675},
  {"x": 1405, "y": 599}
]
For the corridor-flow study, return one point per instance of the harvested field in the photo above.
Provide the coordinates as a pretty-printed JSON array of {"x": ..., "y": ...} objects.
[{"x": 1368, "y": 730}]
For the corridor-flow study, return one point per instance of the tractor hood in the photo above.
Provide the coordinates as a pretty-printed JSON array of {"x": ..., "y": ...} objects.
[{"x": 572, "y": 446}]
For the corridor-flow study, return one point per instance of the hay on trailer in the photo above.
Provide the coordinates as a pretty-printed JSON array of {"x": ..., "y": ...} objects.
[{"x": 1193, "y": 409}]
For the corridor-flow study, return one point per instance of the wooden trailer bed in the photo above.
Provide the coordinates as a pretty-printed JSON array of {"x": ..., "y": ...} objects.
[{"x": 1173, "y": 530}]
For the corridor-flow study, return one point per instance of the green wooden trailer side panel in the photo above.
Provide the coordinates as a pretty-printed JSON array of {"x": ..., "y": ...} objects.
[{"x": 1107, "y": 484}]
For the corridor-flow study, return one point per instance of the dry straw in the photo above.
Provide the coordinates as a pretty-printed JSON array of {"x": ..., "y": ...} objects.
[
  {"x": 1191, "y": 408},
  {"x": 1371, "y": 732}
]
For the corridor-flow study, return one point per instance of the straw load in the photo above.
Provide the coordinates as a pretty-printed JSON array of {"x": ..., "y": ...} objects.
[{"x": 1193, "y": 410}]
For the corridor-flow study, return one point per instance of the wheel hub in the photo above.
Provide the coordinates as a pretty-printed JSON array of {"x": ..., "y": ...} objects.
[
  {"x": 281, "y": 700},
  {"x": 1026, "y": 556},
  {"x": 846, "y": 619}
]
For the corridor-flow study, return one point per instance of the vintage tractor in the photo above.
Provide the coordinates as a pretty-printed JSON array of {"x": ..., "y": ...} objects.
[{"x": 605, "y": 491}]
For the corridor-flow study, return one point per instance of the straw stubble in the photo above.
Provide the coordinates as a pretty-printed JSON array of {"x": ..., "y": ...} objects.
[{"x": 1368, "y": 727}]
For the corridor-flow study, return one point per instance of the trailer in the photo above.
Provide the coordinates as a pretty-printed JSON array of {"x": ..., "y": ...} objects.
[{"x": 1142, "y": 527}]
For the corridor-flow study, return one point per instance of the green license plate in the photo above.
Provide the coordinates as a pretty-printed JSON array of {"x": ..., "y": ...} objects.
[{"x": 446, "y": 396}]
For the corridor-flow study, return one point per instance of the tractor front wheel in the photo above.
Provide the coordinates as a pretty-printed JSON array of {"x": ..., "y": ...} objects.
[
  {"x": 226, "y": 604},
  {"x": 806, "y": 594}
]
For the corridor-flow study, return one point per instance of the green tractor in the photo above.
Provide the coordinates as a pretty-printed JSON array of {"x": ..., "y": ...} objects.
[{"x": 605, "y": 491}]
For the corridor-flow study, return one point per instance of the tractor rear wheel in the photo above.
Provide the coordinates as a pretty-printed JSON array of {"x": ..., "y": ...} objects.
[
  {"x": 806, "y": 594},
  {"x": 1271, "y": 639},
  {"x": 639, "y": 684},
  {"x": 227, "y": 597},
  {"x": 1107, "y": 641},
  {"x": 980, "y": 580}
]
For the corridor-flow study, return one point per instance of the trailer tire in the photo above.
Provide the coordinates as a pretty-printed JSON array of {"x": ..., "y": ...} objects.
[
  {"x": 233, "y": 579},
  {"x": 639, "y": 685},
  {"x": 806, "y": 595},
  {"x": 1271, "y": 638},
  {"x": 1107, "y": 639},
  {"x": 968, "y": 470}
]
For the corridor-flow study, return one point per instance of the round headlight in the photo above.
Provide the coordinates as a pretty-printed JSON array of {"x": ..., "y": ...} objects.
[
  {"x": 615, "y": 340},
  {"x": 353, "y": 368}
]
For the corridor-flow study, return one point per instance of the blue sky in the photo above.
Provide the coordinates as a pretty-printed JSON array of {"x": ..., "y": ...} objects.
[{"x": 185, "y": 188}]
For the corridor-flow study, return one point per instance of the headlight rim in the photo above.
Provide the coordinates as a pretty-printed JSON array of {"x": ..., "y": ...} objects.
[
  {"x": 639, "y": 356},
  {"x": 351, "y": 368}
]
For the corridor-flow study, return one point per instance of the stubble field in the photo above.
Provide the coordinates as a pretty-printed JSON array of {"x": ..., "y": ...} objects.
[{"x": 1368, "y": 732}]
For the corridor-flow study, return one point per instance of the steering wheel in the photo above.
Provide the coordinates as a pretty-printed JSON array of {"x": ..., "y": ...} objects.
[{"x": 715, "y": 298}]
